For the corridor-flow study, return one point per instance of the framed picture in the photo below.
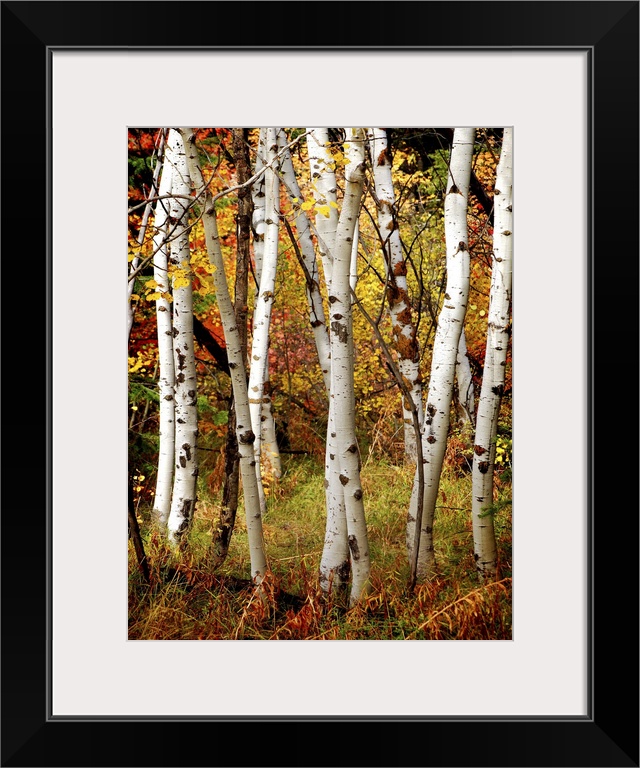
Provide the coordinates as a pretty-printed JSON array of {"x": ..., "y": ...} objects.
[{"x": 565, "y": 76}]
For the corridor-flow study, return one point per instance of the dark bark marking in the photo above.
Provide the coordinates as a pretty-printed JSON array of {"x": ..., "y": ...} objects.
[
  {"x": 498, "y": 390},
  {"x": 333, "y": 299},
  {"x": 183, "y": 462},
  {"x": 340, "y": 329},
  {"x": 342, "y": 571},
  {"x": 353, "y": 547},
  {"x": 431, "y": 439},
  {"x": 352, "y": 448},
  {"x": 483, "y": 466},
  {"x": 187, "y": 450},
  {"x": 343, "y": 479},
  {"x": 247, "y": 438},
  {"x": 357, "y": 495},
  {"x": 479, "y": 450}
]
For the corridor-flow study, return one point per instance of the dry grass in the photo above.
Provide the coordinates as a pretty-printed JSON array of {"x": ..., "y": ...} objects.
[{"x": 187, "y": 601}]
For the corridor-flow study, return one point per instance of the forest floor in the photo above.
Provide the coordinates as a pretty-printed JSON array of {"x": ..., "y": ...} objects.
[{"x": 187, "y": 600}]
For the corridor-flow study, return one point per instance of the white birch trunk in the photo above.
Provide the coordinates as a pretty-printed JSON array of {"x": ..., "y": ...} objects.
[
  {"x": 166, "y": 378},
  {"x": 445, "y": 349},
  {"x": 244, "y": 432},
  {"x": 404, "y": 332},
  {"x": 353, "y": 264},
  {"x": 262, "y": 316},
  {"x": 335, "y": 563},
  {"x": 484, "y": 542},
  {"x": 345, "y": 462},
  {"x": 271, "y": 464},
  {"x": 312, "y": 278},
  {"x": 465, "y": 405},
  {"x": 258, "y": 196},
  {"x": 323, "y": 183},
  {"x": 186, "y": 404}
]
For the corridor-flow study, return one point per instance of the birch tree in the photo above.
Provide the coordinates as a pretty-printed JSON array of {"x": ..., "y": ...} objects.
[
  {"x": 231, "y": 486},
  {"x": 403, "y": 329},
  {"x": 465, "y": 402},
  {"x": 244, "y": 432},
  {"x": 345, "y": 463},
  {"x": 498, "y": 330},
  {"x": 259, "y": 401},
  {"x": 258, "y": 196},
  {"x": 324, "y": 186},
  {"x": 166, "y": 377},
  {"x": 445, "y": 350},
  {"x": 335, "y": 562},
  {"x": 334, "y": 568},
  {"x": 183, "y": 497},
  {"x": 308, "y": 261}
]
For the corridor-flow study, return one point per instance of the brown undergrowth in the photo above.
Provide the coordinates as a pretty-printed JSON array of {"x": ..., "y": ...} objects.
[{"x": 186, "y": 600}]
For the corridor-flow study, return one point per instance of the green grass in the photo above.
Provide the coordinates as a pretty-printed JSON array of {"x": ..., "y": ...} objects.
[{"x": 188, "y": 601}]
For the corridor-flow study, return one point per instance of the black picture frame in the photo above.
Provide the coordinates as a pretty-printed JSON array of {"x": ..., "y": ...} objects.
[{"x": 609, "y": 735}]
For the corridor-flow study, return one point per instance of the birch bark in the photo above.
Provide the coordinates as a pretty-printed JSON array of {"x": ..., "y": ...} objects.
[
  {"x": 231, "y": 487},
  {"x": 344, "y": 464},
  {"x": 258, "y": 196},
  {"x": 166, "y": 378},
  {"x": 465, "y": 404},
  {"x": 244, "y": 432},
  {"x": 400, "y": 309},
  {"x": 259, "y": 400},
  {"x": 498, "y": 331},
  {"x": 323, "y": 183},
  {"x": 183, "y": 498},
  {"x": 335, "y": 563},
  {"x": 445, "y": 349}
]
